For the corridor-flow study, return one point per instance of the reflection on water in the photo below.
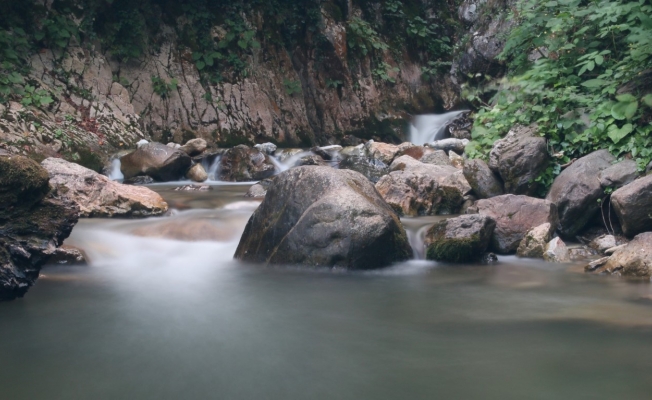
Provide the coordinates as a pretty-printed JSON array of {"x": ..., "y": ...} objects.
[{"x": 159, "y": 316}]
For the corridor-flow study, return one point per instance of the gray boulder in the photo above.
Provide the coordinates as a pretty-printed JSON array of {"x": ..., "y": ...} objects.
[
  {"x": 267, "y": 148},
  {"x": 515, "y": 216},
  {"x": 157, "y": 160},
  {"x": 633, "y": 206},
  {"x": 194, "y": 147},
  {"x": 519, "y": 158},
  {"x": 633, "y": 259},
  {"x": 483, "y": 181},
  {"x": 535, "y": 241},
  {"x": 436, "y": 157},
  {"x": 618, "y": 175},
  {"x": 450, "y": 144},
  {"x": 244, "y": 164},
  {"x": 320, "y": 216},
  {"x": 556, "y": 251},
  {"x": 576, "y": 191},
  {"x": 461, "y": 239},
  {"x": 197, "y": 173},
  {"x": 372, "y": 168}
]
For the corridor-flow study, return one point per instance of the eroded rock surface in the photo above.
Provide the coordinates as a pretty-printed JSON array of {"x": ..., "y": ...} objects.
[
  {"x": 633, "y": 205},
  {"x": 245, "y": 164},
  {"x": 159, "y": 161},
  {"x": 483, "y": 181},
  {"x": 461, "y": 239}
]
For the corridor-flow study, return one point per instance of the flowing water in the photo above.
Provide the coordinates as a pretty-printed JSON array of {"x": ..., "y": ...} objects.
[
  {"x": 164, "y": 312},
  {"x": 430, "y": 127}
]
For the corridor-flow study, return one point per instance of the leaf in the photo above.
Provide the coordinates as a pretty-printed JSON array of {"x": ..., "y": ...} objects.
[
  {"x": 599, "y": 60},
  {"x": 243, "y": 44},
  {"x": 626, "y": 98},
  {"x": 617, "y": 134},
  {"x": 593, "y": 83},
  {"x": 618, "y": 111},
  {"x": 630, "y": 110},
  {"x": 647, "y": 99},
  {"x": 200, "y": 65}
]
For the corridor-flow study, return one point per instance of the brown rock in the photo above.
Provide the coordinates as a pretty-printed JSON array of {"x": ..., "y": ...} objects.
[
  {"x": 633, "y": 206},
  {"x": 159, "y": 161}
]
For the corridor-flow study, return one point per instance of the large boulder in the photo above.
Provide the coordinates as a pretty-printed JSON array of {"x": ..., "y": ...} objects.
[
  {"x": 34, "y": 221},
  {"x": 320, "y": 216},
  {"x": 372, "y": 168},
  {"x": 619, "y": 175},
  {"x": 633, "y": 259},
  {"x": 157, "y": 160},
  {"x": 98, "y": 196},
  {"x": 383, "y": 152},
  {"x": 576, "y": 191},
  {"x": 515, "y": 216},
  {"x": 436, "y": 157},
  {"x": 461, "y": 239},
  {"x": 194, "y": 147},
  {"x": 633, "y": 206},
  {"x": 519, "y": 158},
  {"x": 414, "y": 188},
  {"x": 483, "y": 181},
  {"x": 245, "y": 164}
]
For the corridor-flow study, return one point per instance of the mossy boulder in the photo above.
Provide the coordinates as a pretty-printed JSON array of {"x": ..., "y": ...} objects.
[
  {"x": 461, "y": 239},
  {"x": 22, "y": 181}
]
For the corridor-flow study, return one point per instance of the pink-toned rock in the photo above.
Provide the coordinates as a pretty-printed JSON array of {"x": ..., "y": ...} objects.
[{"x": 384, "y": 152}]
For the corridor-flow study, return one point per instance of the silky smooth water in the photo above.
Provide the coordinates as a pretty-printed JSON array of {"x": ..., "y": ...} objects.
[{"x": 163, "y": 312}]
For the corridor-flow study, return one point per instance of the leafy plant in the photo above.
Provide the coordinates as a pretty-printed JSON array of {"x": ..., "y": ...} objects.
[
  {"x": 383, "y": 71},
  {"x": 291, "y": 87},
  {"x": 31, "y": 96},
  {"x": 363, "y": 39},
  {"x": 163, "y": 88}
]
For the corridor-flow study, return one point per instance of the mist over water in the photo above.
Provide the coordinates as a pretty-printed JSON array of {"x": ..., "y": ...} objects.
[
  {"x": 164, "y": 312},
  {"x": 430, "y": 127}
]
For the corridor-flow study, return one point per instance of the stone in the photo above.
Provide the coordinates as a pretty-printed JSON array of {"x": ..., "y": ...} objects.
[
  {"x": 323, "y": 154},
  {"x": 173, "y": 145},
  {"x": 416, "y": 152},
  {"x": 483, "y": 180},
  {"x": 437, "y": 157},
  {"x": 534, "y": 243},
  {"x": 413, "y": 188},
  {"x": 139, "y": 180},
  {"x": 34, "y": 221},
  {"x": 595, "y": 264},
  {"x": 456, "y": 145},
  {"x": 633, "y": 260},
  {"x": 320, "y": 216},
  {"x": 197, "y": 173},
  {"x": 519, "y": 158},
  {"x": 371, "y": 168},
  {"x": 256, "y": 191},
  {"x": 98, "y": 196},
  {"x": 312, "y": 160},
  {"x": 633, "y": 206},
  {"x": 194, "y": 147},
  {"x": 580, "y": 253},
  {"x": 141, "y": 143},
  {"x": 68, "y": 255},
  {"x": 556, "y": 251},
  {"x": 612, "y": 250},
  {"x": 383, "y": 152},
  {"x": 156, "y": 160},
  {"x": 457, "y": 161},
  {"x": 461, "y": 239},
  {"x": 354, "y": 151},
  {"x": 245, "y": 164},
  {"x": 648, "y": 169},
  {"x": 618, "y": 175},
  {"x": 576, "y": 191},
  {"x": 603, "y": 243},
  {"x": 515, "y": 216},
  {"x": 469, "y": 10},
  {"x": 193, "y": 188},
  {"x": 267, "y": 148}
]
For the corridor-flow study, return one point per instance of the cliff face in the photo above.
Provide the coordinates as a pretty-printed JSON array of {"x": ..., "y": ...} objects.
[{"x": 313, "y": 92}]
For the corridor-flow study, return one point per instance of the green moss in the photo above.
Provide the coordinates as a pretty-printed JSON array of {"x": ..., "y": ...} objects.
[
  {"x": 457, "y": 250},
  {"x": 451, "y": 201},
  {"x": 22, "y": 181}
]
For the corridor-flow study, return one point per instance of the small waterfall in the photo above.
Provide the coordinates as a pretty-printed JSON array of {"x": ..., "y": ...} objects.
[
  {"x": 430, "y": 127},
  {"x": 289, "y": 162},
  {"x": 116, "y": 174},
  {"x": 212, "y": 168}
]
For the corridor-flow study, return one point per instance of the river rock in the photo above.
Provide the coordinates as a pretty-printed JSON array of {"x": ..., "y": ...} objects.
[
  {"x": 483, "y": 181},
  {"x": 457, "y": 161},
  {"x": 259, "y": 190},
  {"x": 156, "y": 160},
  {"x": 197, "y": 173},
  {"x": 633, "y": 206},
  {"x": 456, "y": 145},
  {"x": 634, "y": 259},
  {"x": 603, "y": 243},
  {"x": 139, "y": 180},
  {"x": 535, "y": 241},
  {"x": 556, "y": 251},
  {"x": 576, "y": 191},
  {"x": 383, "y": 152},
  {"x": 414, "y": 188},
  {"x": 267, "y": 148},
  {"x": 519, "y": 158},
  {"x": 372, "y": 168},
  {"x": 98, "y": 196},
  {"x": 244, "y": 164},
  {"x": 436, "y": 157},
  {"x": 515, "y": 216},
  {"x": 67, "y": 255},
  {"x": 194, "y": 147},
  {"x": 619, "y": 175},
  {"x": 320, "y": 216},
  {"x": 416, "y": 152},
  {"x": 461, "y": 239},
  {"x": 34, "y": 221}
]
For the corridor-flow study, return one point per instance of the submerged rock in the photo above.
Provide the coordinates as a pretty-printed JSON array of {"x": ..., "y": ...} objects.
[
  {"x": 34, "y": 221},
  {"x": 98, "y": 196},
  {"x": 633, "y": 206},
  {"x": 320, "y": 216},
  {"x": 244, "y": 164},
  {"x": 576, "y": 191},
  {"x": 157, "y": 160},
  {"x": 461, "y": 239},
  {"x": 139, "y": 180},
  {"x": 483, "y": 181},
  {"x": 193, "y": 188},
  {"x": 515, "y": 216}
]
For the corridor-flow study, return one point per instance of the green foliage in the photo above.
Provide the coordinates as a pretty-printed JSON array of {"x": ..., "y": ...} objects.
[
  {"x": 363, "y": 39},
  {"x": 163, "y": 88},
  {"x": 291, "y": 87},
  {"x": 57, "y": 32},
  {"x": 584, "y": 90},
  {"x": 383, "y": 70}
]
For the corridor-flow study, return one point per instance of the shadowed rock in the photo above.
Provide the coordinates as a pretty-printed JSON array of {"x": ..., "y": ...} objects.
[
  {"x": 633, "y": 205},
  {"x": 157, "y": 160},
  {"x": 483, "y": 181},
  {"x": 461, "y": 239},
  {"x": 244, "y": 164}
]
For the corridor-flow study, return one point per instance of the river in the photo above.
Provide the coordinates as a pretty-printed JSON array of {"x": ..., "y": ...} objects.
[{"x": 163, "y": 312}]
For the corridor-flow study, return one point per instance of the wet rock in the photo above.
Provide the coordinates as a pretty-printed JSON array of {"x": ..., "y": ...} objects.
[
  {"x": 173, "y": 145},
  {"x": 283, "y": 155},
  {"x": 437, "y": 157},
  {"x": 576, "y": 191},
  {"x": 371, "y": 168},
  {"x": 519, "y": 158},
  {"x": 34, "y": 221},
  {"x": 244, "y": 164},
  {"x": 460, "y": 127},
  {"x": 383, "y": 152},
  {"x": 489, "y": 258},
  {"x": 256, "y": 191},
  {"x": 469, "y": 10},
  {"x": 193, "y": 188},
  {"x": 197, "y": 173},
  {"x": 354, "y": 151},
  {"x": 414, "y": 188},
  {"x": 194, "y": 147},
  {"x": 267, "y": 148},
  {"x": 594, "y": 265},
  {"x": 456, "y": 145},
  {"x": 483, "y": 181},
  {"x": 98, "y": 196},
  {"x": 515, "y": 216},
  {"x": 68, "y": 255},
  {"x": 556, "y": 251},
  {"x": 580, "y": 253},
  {"x": 156, "y": 160},
  {"x": 320, "y": 216},
  {"x": 139, "y": 180},
  {"x": 633, "y": 206},
  {"x": 618, "y": 175},
  {"x": 461, "y": 239},
  {"x": 603, "y": 243},
  {"x": 323, "y": 154},
  {"x": 457, "y": 161},
  {"x": 311, "y": 160},
  {"x": 416, "y": 152},
  {"x": 535, "y": 241},
  {"x": 634, "y": 259}
]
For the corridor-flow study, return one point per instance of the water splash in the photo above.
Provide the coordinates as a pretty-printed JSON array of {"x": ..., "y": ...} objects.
[
  {"x": 430, "y": 127},
  {"x": 289, "y": 162},
  {"x": 116, "y": 174},
  {"x": 212, "y": 168}
]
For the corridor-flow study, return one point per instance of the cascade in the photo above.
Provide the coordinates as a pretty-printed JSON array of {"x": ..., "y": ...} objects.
[{"x": 430, "y": 127}]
